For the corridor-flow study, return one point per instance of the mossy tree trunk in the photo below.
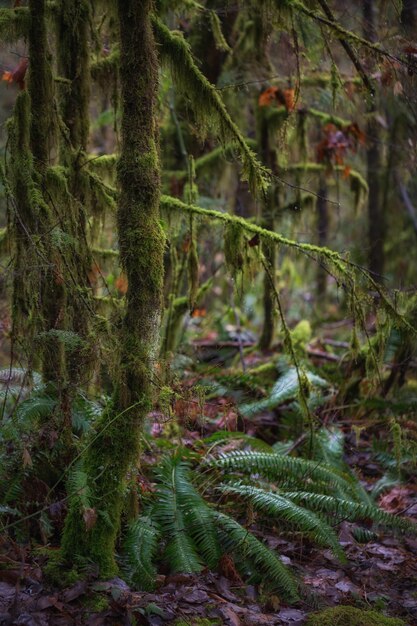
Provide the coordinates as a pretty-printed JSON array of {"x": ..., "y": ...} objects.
[
  {"x": 376, "y": 218},
  {"x": 141, "y": 241},
  {"x": 38, "y": 284},
  {"x": 74, "y": 65}
]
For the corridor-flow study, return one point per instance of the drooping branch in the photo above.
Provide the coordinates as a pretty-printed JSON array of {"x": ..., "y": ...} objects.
[
  {"x": 343, "y": 267},
  {"x": 209, "y": 109},
  {"x": 349, "y": 50}
]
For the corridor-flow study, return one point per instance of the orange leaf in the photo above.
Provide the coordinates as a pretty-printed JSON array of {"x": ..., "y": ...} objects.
[
  {"x": 121, "y": 284},
  {"x": 18, "y": 74},
  {"x": 346, "y": 172},
  {"x": 268, "y": 96}
]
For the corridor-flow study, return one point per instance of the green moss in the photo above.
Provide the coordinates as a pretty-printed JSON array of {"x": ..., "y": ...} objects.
[
  {"x": 96, "y": 603},
  {"x": 106, "y": 69},
  {"x": 350, "y": 616},
  {"x": 114, "y": 448},
  {"x": 14, "y": 24},
  {"x": 54, "y": 572},
  {"x": 234, "y": 245}
]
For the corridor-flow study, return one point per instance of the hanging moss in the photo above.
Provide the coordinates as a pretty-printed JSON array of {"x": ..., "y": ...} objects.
[
  {"x": 234, "y": 246},
  {"x": 208, "y": 107},
  {"x": 105, "y": 70},
  {"x": 14, "y": 24},
  {"x": 216, "y": 28},
  {"x": 342, "y": 268},
  {"x": 351, "y": 616}
]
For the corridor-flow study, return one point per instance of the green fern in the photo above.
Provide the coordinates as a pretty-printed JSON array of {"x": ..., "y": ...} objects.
[
  {"x": 245, "y": 543},
  {"x": 275, "y": 466},
  {"x": 347, "y": 509},
  {"x": 141, "y": 544},
  {"x": 283, "y": 508},
  {"x": 173, "y": 491}
]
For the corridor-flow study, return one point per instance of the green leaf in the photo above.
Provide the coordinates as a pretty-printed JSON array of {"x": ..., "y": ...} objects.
[{"x": 286, "y": 388}]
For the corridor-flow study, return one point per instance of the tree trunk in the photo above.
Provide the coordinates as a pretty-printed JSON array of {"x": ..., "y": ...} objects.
[
  {"x": 74, "y": 65},
  {"x": 116, "y": 450},
  {"x": 268, "y": 248},
  {"x": 409, "y": 16},
  {"x": 323, "y": 235},
  {"x": 376, "y": 218}
]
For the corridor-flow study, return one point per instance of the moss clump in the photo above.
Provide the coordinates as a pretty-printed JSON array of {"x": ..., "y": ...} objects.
[
  {"x": 350, "y": 616},
  {"x": 233, "y": 247},
  {"x": 55, "y": 573},
  {"x": 96, "y": 603}
]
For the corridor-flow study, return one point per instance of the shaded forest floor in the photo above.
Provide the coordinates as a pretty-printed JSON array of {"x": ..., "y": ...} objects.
[{"x": 380, "y": 573}]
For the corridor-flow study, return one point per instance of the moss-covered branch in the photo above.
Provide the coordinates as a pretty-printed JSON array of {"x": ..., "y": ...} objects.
[
  {"x": 342, "y": 267},
  {"x": 209, "y": 109}
]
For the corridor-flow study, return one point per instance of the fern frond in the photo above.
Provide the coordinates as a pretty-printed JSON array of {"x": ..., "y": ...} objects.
[
  {"x": 140, "y": 547},
  {"x": 350, "y": 510},
  {"x": 200, "y": 523},
  {"x": 283, "y": 508},
  {"x": 35, "y": 408},
  {"x": 181, "y": 553},
  {"x": 278, "y": 466},
  {"x": 272, "y": 569},
  {"x": 78, "y": 488},
  {"x": 286, "y": 388},
  {"x": 173, "y": 492}
]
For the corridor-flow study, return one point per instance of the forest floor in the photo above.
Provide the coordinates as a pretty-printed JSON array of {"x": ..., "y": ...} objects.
[{"x": 380, "y": 574}]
